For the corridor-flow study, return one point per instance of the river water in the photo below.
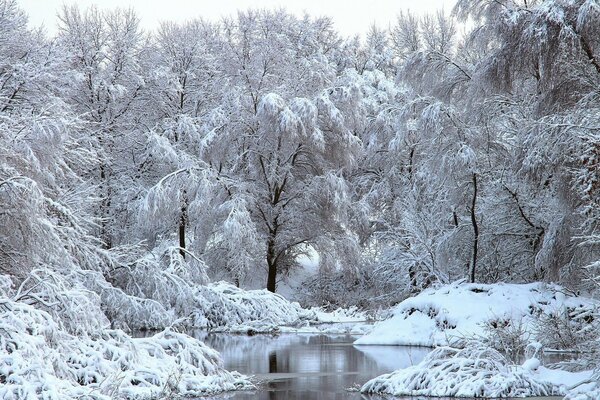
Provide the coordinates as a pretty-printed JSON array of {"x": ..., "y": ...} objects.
[{"x": 309, "y": 366}]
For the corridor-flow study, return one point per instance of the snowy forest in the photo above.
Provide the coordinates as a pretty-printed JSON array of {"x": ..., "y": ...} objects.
[{"x": 265, "y": 174}]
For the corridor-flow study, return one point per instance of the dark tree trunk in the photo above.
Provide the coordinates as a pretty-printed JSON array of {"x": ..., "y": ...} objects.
[
  {"x": 475, "y": 231},
  {"x": 412, "y": 275},
  {"x": 182, "y": 225},
  {"x": 272, "y": 264}
]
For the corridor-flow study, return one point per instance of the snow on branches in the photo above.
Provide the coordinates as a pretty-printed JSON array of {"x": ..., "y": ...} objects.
[
  {"x": 40, "y": 357},
  {"x": 475, "y": 371}
]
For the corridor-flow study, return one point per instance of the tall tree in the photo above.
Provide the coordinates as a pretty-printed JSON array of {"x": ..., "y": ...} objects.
[{"x": 103, "y": 79}]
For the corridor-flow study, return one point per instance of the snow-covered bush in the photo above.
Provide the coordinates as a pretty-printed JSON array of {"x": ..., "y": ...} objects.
[
  {"x": 39, "y": 358},
  {"x": 222, "y": 306},
  {"x": 474, "y": 371},
  {"x": 510, "y": 337},
  {"x": 586, "y": 390},
  {"x": 85, "y": 302},
  {"x": 125, "y": 311},
  {"x": 64, "y": 298},
  {"x": 592, "y": 395},
  {"x": 158, "y": 285},
  {"x": 338, "y": 289},
  {"x": 568, "y": 328}
]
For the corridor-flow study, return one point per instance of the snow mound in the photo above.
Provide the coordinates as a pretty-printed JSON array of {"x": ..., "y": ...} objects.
[
  {"x": 475, "y": 371},
  {"x": 445, "y": 316},
  {"x": 225, "y": 307},
  {"x": 40, "y": 359}
]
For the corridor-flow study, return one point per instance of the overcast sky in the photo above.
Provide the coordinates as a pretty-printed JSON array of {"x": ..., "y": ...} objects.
[{"x": 350, "y": 16}]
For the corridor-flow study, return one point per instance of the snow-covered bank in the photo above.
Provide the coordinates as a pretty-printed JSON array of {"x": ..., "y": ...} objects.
[
  {"x": 485, "y": 332},
  {"x": 225, "y": 307},
  {"x": 440, "y": 317},
  {"x": 39, "y": 358},
  {"x": 222, "y": 307},
  {"x": 474, "y": 371}
]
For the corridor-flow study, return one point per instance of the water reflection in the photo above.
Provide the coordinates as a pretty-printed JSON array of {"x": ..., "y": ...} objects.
[{"x": 311, "y": 367}]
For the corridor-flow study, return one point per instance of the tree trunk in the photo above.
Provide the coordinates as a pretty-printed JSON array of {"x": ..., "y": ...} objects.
[
  {"x": 272, "y": 264},
  {"x": 182, "y": 224},
  {"x": 475, "y": 231}
]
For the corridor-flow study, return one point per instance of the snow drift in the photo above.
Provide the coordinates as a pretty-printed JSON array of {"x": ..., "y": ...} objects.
[{"x": 444, "y": 316}]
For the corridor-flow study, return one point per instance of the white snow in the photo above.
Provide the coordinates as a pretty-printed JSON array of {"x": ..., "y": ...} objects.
[
  {"x": 222, "y": 307},
  {"x": 475, "y": 371},
  {"x": 40, "y": 359},
  {"x": 444, "y": 316},
  {"x": 455, "y": 317}
]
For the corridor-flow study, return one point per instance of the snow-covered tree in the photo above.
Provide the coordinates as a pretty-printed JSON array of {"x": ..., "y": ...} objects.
[{"x": 102, "y": 79}]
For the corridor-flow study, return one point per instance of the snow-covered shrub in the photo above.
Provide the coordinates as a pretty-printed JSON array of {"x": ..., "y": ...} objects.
[
  {"x": 510, "y": 337},
  {"x": 155, "y": 282},
  {"x": 223, "y": 306},
  {"x": 64, "y": 298},
  {"x": 39, "y": 358},
  {"x": 591, "y": 395},
  {"x": 170, "y": 361},
  {"x": 84, "y": 302},
  {"x": 126, "y": 311},
  {"x": 338, "y": 289},
  {"x": 568, "y": 328},
  {"x": 474, "y": 371},
  {"x": 586, "y": 390}
]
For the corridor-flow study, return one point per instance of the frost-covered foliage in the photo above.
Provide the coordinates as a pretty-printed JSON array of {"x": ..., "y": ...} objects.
[
  {"x": 56, "y": 358},
  {"x": 416, "y": 157},
  {"x": 137, "y": 164},
  {"x": 473, "y": 371},
  {"x": 438, "y": 317},
  {"x": 162, "y": 281},
  {"x": 567, "y": 328},
  {"x": 508, "y": 116},
  {"x": 223, "y": 307},
  {"x": 242, "y": 154}
]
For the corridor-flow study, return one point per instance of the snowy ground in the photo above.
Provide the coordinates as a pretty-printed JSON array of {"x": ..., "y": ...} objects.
[
  {"x": 457, "y": 311},
  {"x": 490, "y": 338}
]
